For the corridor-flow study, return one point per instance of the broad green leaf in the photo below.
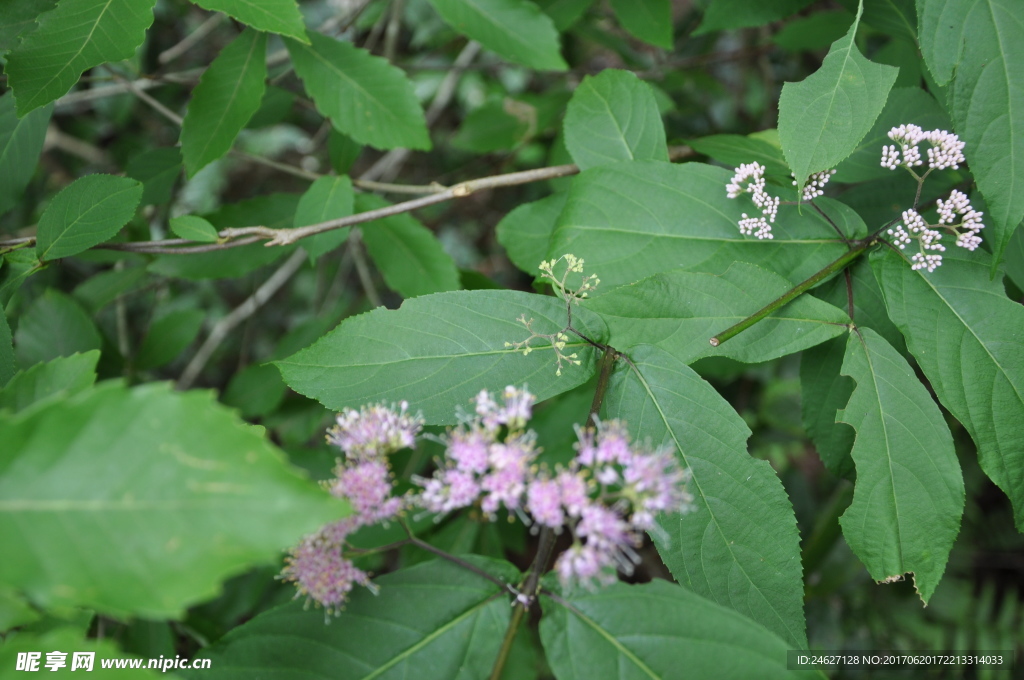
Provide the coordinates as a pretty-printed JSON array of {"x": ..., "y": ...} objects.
[
  {"x": 516, "y": 29},
  {"x": 432, "y": 620},
  {"x": 274, "y": 108},
  {"x": 632, "y": 220},
  {"x": 680, "y": 311},
  {"x": 438, "y": 351},
  {"x": 823, "y": 391},
  {"x": 824, "y": 117},
  {"x": 168, "y": 337},
  {"x": 735, "y": 150},
  {"x": 905, "y": 105},
  {"x": 272, "y": 16},
  {"x": 255, "y": 390},
  {"x": 909, "y": 494},
  {"x": 739, "y": 546},
  {"x": 227, "y": 96},
  {"x": 8, "y": 366},
  {"x": 649, "y": 20},
  {"x": 499, "y": 125},
  {"x": 71, "y": 38},
  {"x": 328, "y": 198},
  {"x": 15, "y": 610},
  {"x": 54, "y": 325},
  {"x": 103, "y": 288},
  {"x": 655, "y": 630},
  {"x": 63, "y": 376},
  {"x": 613, "y": 117},
  {"x": 364, "y": 96},
  {"x": 69, "y": 640},
  {"x": 18, "y": 266},
  {"x": 86, "y": 213},
  {"x": 526, "y": 231},
  {"x": 983, "y": 42},
  {"x": 193, "y": 228},
  {"x": 408, "y": 255},
  {"x": 565, "y": 13},
  {"x": 814, "y": 32},
  {"x": 276, "y": 211},
  {"x": 868, "y": 302},
  {"x": 158, "y": 169},
  {"x": 18, "y": 18},
  {"x": 726, "y": 14},
  {"x": 21, "y": 142},
  {"x": 1014, "y": 262},
  {"x": 967, "y": 337},
  {"x": 897, "y": 18},
  {"x": 343, "y": 150},
  {"x": 202, "y": 494}
]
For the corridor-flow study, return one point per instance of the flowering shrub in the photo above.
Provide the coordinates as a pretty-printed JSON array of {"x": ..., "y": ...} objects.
[
  {"x": 610, "y": 494},
  {"x": 226, "y": 227}
]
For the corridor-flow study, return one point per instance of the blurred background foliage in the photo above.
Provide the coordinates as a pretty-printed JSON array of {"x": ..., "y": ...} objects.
[{"x": 150, "y": 314}]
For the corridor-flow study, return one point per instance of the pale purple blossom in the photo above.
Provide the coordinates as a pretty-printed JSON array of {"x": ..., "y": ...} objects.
[
  {"x": 375, "y": 430},
  {"x": 320, "y": 572},
  {"x": 367, "y": 486}
]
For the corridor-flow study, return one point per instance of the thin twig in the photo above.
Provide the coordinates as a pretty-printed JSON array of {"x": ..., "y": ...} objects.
[
  {"x": 355, "y": 247},
  {"x": 190, "y": 40},
  {"x": 283, "y": 167},
  {"x": 157, "y": 106},
  {"x": 393, "y": 30},
  {"x": 238, "y": 315}
]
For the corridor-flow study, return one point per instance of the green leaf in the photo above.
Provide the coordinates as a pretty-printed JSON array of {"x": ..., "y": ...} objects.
[
  {"x": 1014, "y": 262},
  {"x": 897, "y": 18},
  {"x": 632, "y": 220},
  {"x": 649, "y": 20},
  {"x": 735, "y": 150},
  {"x": 86, "y": 213},
  {"x": 438, "y": 351},
  {"x": 102, "y": 288},
  {"x": 655, "y": 630},
  {"x": 71, "y": 38},
  {"x": 328, "y": 198},
  {"x": 69, "y": 640},
  {"x": 63, "y": 376},
  {"x": 8, "y": 366},
  {"x": 54, "y": 325},
  {"x": 966, "y": 335},
  {"x": 726, "y": 14},
  {"x": 158, "y": 170},
  {"x": 909, "y": 494},
  {"x": 227, "y": 96},
  {"x": 18, "y": 18},
  {"x": 983, "y": 41},
  {"x": 276, "y": 211},
  {"x": 433, "y": 620},
  {"x": 814, "y": 32},
  {"x": 202, "y": 494},
  {"x": 739, "y": 546},
  {"x": 21, "y": 142},
  {"x": 364, "y": 96},
  {"x": 499, "y": 125},
  {"x": 565, "y": 13},
  {"x": 613, "y": 117},
  {"x": 868, "y": 302},
  {"x": 516, "y": 29},
  {"x": 168, "y": 337},
  {"x": 193, "y": 228},
  {"x": 824, "y": 117},
  {"x": 680, "y": 311},
  {"x": 272, "y": 16},
  {"x": 526, "y": 231},
  {"x": 823, "y": 391},
  {"x": 408, "y": 255},
  {"x": 255, "y": 390},
  {"x": 905, "y": 105}
]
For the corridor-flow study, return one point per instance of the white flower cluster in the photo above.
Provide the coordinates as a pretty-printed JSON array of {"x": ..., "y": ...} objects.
[
  {"x": 959, "y": 204},
  {"x": 955, "y": 213},
  {"x": 946, "y": 148},
  {"x": 815, "y": 185},
  {"x": 749, "y": 179}
]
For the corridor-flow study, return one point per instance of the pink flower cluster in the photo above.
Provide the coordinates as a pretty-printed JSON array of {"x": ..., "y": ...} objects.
[
  {"x": 606, "y": 498},
  {"x": 946, "y": 148},
  {"x": 955, "y": 216},
  {"x": 363, "y": 478}
]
